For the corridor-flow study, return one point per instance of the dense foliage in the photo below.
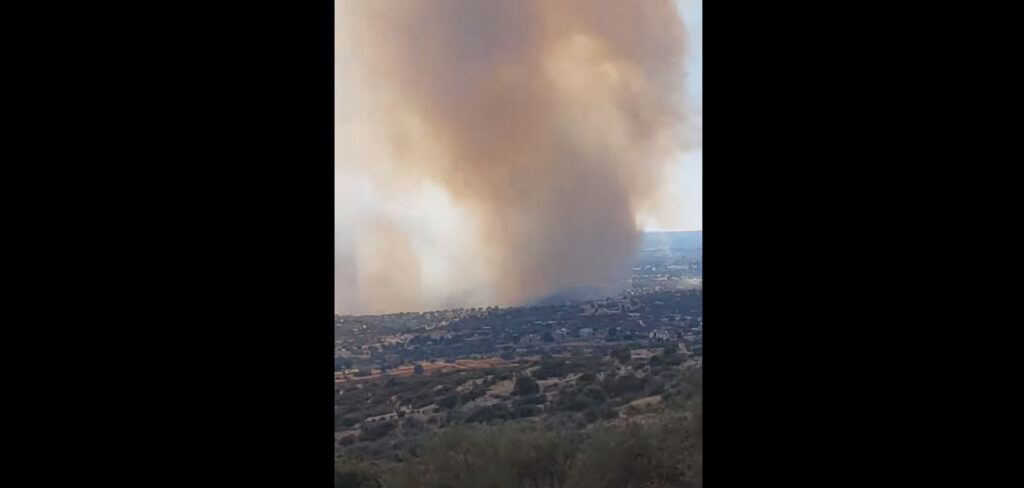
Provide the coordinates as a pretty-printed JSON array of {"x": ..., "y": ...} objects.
[{"x": 665, "y": 452}]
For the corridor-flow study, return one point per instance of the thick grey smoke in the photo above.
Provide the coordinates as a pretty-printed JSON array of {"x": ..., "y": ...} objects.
[{"x": 546, "y": 124}]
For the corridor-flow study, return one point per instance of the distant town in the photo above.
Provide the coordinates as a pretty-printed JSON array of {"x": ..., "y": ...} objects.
[
  {"x": 373, "y": 344},
  {"x": 661, "y": 302}
]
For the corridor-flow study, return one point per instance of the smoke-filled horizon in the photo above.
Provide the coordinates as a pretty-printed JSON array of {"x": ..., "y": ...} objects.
[{"x": 494, "y": 151}]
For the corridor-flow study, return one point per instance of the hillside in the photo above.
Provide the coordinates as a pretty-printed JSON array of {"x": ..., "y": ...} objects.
[{"x": 603, "y": 393}]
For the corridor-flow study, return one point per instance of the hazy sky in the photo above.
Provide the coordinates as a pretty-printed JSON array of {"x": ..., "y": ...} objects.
[
  {"x": 489, "y": 149},
  {"x": 685, "y": 177}
]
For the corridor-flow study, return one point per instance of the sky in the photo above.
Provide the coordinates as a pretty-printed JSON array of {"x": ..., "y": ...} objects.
[
  {"x": 417, "y": 199},
  {"x": 686, "y": 179}
]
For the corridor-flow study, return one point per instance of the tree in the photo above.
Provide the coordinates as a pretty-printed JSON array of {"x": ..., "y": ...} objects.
[
  {"x": 623, "y": 355},
  {"x": 666, "y": 453},
  {"x": 350, "y": 474},
  {"x": 595, "y": 393},
  {"x": 376, "y": 431},
  {"x": 547, "y": 337},
  {"x": 525, "y": 386},
  {"x": 469, "y": 456},
  {"x": 423, "y": 398},
  {"x": 624, "y": 385},
  {"x": 448, "y": 401},
  {"x": 418, "y": 369}
]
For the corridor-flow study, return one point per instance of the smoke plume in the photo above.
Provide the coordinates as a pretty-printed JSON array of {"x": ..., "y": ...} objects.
[{"x": 492, "y": 151}]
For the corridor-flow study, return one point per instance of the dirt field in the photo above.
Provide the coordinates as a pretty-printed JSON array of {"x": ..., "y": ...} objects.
[{"x": 643, "y": 402}]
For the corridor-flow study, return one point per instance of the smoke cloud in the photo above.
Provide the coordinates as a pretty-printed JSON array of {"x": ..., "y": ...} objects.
[{"x": 493, "y": 151}]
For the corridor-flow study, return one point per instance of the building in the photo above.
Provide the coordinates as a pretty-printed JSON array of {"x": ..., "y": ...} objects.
[
  {"x": 531, "y": 339},
  {"x": 587, "y": 332},
  {"x": 662, "y": 334}
]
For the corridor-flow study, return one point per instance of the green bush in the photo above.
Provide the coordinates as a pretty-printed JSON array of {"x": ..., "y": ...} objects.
[
  {"x": 586, "y": 378},
  {"x": 352, "y": 474},
  {"x": 580, "y": 403},
  {"x": 490, "y": 413},
  {"x": 347, "y": 440},
  {"x": 526, "y": 411},
  {"x": 598, "y": 412},
  {"x": 532, "y": 400},
  {"x": 664, "y": 454},
  {"x": 506, "y": 456},
  {"x": 595, "y": 393},
  {"x": 448, "y": 401},
  {"x": 622, "y": 355},
  {"x": 525, "y": 386},
  {"x": 377, "y": 430},
  {"x": 422, "y": 399},
  {"x": 624, "y": 385}
]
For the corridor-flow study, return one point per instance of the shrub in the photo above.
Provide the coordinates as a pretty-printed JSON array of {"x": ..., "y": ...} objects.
[
  {"x": 654, "y": 386},
  {"x": 594, "y": 394},
  {"x": 667, "y": 453},
  {"x": 347, "y": 440},
  {"x": 526, "y": 411},
  {"x": 490, "y": 413},
  {"x": 532, "y": 400},
  {"x": 488, "y": 457},
  {"x": 474, "y": 394},
  {"x": 352, "y": 474},
  {"x": 525, "y": 386},
  {"x": 598, "y": 412},
  {"x": 622, "y": 355},
  {"x": 624, "y": 385},
  {"x": 422, "y": 399},
  {"x": 579, "y": 403},
  {"x": 448, "y": 401},
  {"x": 375, "y": 431}
]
